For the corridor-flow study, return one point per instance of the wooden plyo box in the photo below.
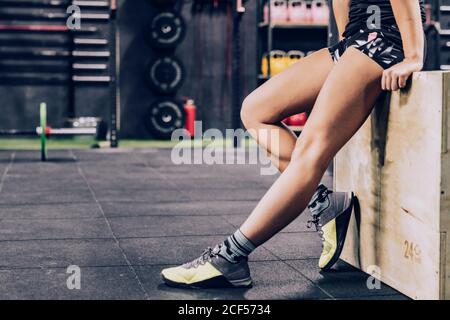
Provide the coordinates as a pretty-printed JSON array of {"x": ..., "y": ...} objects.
[{"x": 400, "y": 173}]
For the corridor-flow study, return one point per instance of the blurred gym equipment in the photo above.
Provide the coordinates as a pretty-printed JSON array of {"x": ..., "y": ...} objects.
[
  {"x": 165, "y": 75},
  {"x": 164, "y": 117},
  {"x": 44, "y": 132}
]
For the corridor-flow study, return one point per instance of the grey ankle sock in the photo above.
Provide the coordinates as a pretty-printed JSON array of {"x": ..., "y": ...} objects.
[{"x": 236, "y": 246}]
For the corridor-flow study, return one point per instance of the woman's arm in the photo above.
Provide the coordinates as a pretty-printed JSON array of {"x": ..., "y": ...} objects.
[
  {"x": 409, "y": 20},
  {"x": 341, "y": 10}
]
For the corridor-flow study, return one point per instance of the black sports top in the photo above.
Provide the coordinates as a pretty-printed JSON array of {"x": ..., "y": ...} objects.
[{"x": 358, "y": 14}]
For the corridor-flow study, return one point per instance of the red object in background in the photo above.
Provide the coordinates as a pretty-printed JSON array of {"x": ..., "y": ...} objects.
[
  {"x": 287, "y": 121},
  {"x": 190, "y": 111},
  {"x": 429, "y": 13},
  {"x": 298, "y": 119}
]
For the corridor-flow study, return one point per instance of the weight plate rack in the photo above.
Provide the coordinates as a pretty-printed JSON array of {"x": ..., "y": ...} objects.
[
  {"x": 165, "y": 74},
  {"x": 38, "y": 47}
]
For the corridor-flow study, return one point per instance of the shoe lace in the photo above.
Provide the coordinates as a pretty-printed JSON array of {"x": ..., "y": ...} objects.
[
  {"x": 206, "y": 256},
  {"x": 315, "y": 221}
]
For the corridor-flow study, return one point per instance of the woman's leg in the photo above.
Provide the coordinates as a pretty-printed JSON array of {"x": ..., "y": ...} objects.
[
  {"x": 293, "y": 91},
  {"x": 344, "y": 103}
]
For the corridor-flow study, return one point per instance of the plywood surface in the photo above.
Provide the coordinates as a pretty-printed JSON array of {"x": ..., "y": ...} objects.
[{"x": 401, "y": 175}]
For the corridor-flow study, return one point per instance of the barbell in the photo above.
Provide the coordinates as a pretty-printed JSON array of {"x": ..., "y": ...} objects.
[
  {"x": 44, "y": 28},
  {"x": 44, "y": 132},
  {"x": 54, "y": 3},
  {"x": 24, "y": 40}
]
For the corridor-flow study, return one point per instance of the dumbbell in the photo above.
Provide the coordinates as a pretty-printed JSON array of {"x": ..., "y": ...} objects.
[
  {"x": 278, "y": 62},
  {"x": 298, "y": 120},
  {"x": 299, "y": 12},
  {"x": 294, "y": 56},
  {"x": 320, "y": 12},
  {"x": 278, "y": 11}
]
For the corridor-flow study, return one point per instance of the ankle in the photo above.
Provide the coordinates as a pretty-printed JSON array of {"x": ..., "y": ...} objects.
[{"x": 237, "y": 246}]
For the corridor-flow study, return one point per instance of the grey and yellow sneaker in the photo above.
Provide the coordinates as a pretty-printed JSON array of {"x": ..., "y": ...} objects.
[
  {"x": 331, "y": 212},
  {"x": 210, "y": 270}
]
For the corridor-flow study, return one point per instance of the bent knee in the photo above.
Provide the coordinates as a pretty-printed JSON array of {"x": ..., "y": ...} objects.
[
  {"x": 256, "y": 111},
  {"x": 249, "y": 112}
]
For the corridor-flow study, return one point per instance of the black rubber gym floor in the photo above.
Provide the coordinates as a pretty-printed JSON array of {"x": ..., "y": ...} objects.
[{"x": 122, "y": 216}]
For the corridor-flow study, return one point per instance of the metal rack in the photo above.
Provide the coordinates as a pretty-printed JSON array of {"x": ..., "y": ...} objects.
[
  {"x": 280, "y": 35},
  {"x": 38, "y": 48},
  {"x": 270, "y": 36}
]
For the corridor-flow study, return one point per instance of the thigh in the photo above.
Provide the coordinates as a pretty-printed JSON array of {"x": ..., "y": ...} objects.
[
  {"x": 292, "y": 91},
  {"x": 343, "y": 104}
]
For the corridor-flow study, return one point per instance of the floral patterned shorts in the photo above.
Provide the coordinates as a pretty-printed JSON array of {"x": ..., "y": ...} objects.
[{"x": 379, "y": 45}]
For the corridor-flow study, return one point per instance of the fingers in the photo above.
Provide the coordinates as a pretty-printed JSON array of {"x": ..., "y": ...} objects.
[
  {"x": 402, "y": 81},
  {"x": 386, "y": 80},
  {"x": 393, "y": 80}
]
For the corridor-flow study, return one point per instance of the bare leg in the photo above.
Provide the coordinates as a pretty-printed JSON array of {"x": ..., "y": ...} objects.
[
  {"x": 293, "y": 91},
  {"x": 344, "y": 103}
]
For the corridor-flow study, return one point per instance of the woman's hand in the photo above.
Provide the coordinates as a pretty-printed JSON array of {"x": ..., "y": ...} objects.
[
  {"x": 396, "y": 77},
  {"x": 408, "y": 17}
]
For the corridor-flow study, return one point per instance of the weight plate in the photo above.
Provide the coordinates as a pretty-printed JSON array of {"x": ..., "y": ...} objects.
[
  {"x": 167, "y": 30},
  {"x": 164, "y": 117},
  {"x": 165, "y": 75},
  {"x": 162, "y": 3}
]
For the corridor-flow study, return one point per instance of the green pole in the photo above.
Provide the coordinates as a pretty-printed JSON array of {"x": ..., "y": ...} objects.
[{"x": 43, "y": 123}]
